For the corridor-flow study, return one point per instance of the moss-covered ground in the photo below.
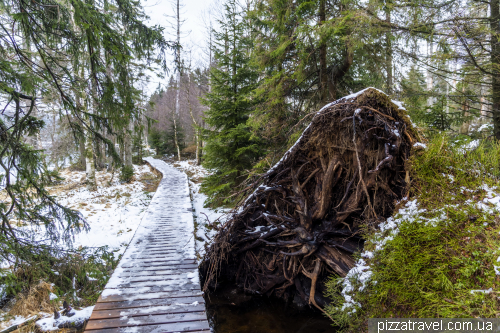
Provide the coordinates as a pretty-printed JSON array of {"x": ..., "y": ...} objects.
[{"x": 436, "y": 256}]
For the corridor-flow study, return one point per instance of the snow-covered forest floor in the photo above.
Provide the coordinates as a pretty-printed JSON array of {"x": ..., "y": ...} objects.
[{"x": 113, "y": 213}]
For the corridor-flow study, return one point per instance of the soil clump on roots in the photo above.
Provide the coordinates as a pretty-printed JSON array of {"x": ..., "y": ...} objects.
[{"x": 307, "y": 215}]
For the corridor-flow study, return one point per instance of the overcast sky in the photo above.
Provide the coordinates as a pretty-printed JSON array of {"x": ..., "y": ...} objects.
[{"x": 194, "y": 14}]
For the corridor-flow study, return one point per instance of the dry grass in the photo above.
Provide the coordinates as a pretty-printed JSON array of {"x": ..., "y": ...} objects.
[
  {"x": 151, "y": 180},
  {"x": 35, "y": 300}
]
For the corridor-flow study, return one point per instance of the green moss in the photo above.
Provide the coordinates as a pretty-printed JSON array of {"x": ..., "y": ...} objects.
[{"x": 437, "y": 257}]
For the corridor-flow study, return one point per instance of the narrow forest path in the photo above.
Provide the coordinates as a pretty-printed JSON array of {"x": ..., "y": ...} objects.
[{"x": 155, "y": 287}]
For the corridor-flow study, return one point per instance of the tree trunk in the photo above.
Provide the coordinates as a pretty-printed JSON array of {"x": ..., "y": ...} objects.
[
  {"x": 127, "y": 143},
  {"x": 176, "y": 141},
  {"x": 323, "y": 75},
  {"x": 464, "y": 128},
  {"x": 195, "y": 124},
  {"x": 495, "y": 62},
  {"x": 198, "y": 147},
  {"x": 389, "y": 61},
  {"x": 89, "y": 144},
  {"x": 177, "y": 96},
  {"x": 484, "y": 106},
  {"x": 429, "y": 79},
  {"x": 89, "y": 160},
  {"x": 81, "y": 146}
]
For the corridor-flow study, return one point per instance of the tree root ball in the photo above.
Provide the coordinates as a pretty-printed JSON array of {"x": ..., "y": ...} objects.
[{"x": 305, "y": 218}]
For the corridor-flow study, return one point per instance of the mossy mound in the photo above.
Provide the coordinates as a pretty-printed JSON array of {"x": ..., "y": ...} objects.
[{"x": 436, "y": 257}]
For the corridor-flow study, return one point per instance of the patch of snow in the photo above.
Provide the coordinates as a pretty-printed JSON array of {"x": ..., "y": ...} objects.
[
  {"x": 420, "y": 145},
  {"x": 360, "y": 273},
  {"x": 450, "y": 177},
  {"x": 399, "y": 105},
  {"x": 469, "y": 146},
  {"x": 487, "y": 291},
  {"x": 485, "y": 127},
  {"x": 17, "y": 320},
  {"x": 51, "y": 324}
]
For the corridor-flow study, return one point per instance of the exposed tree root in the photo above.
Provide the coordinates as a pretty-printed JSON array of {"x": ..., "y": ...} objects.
[{"x": 305, "y": 217}]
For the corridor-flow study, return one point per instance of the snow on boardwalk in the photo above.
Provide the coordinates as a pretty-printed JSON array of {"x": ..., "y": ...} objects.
[{"x": 155, "y": 287}]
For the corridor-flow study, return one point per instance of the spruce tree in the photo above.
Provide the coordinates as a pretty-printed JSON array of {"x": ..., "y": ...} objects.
[
  {"x": 310, "y": 53},
  {"x": 230, "y": 148},
  {"x": 79, "y": 53}
]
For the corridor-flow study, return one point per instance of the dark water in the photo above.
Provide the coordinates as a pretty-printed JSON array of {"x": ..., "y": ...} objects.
[{"x": 230, "y": 311}]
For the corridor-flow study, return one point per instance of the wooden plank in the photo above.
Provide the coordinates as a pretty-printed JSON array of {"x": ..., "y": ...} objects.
[
  {"x": 141, "y": 258},
  {"x": 156, "y": 283},
  {"x": 126, "y": 279},
  {"x": 181, "y": 286},
  {"x": 156, "y": 273},
  {"x": 157, "y": 258},
  {"x": 160, "y": 267},
  {"x": 150, "y": 295},
  {"x": 180, "y": 322},
  {"x": 156, "y": 254},
  {"x": 160, "y": 246},
  {"x": 156, "y": 249},
  {"x": 147, "y": 303},
  {"x": 146, "y": 311},
  {"x": 165, "y": 263}
]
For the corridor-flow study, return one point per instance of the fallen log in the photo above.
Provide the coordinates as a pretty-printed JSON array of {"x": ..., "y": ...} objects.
[{"x": 306, "y": 216}]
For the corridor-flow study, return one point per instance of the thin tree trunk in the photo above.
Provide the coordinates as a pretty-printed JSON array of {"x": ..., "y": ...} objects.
[
  {"x": 81, "y": 161},
  {"x": 495, "y": 61},
  {"x": 127, "y": 143},
  {"x": 484, "y": 106},
  {"x": 89, "y": 145},
  {"x": 177, "y": 97},
  {"x": 429, "y": 79},
  {"x": 176, "y": 139},
  {"x": 464, "y": 128},
  {"x": 195, "y": 124},
  {"x": 89, "y": 160},
  {"x": 389, "y": 63},
  {"x": 323, "y": 75}
]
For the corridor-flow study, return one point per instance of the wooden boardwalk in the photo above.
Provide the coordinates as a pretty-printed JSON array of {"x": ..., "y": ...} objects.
[{"x": 155, "y": 287}]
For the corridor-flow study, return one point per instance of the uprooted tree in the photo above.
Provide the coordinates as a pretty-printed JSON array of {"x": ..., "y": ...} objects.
[{"x": 306, "y": 216}]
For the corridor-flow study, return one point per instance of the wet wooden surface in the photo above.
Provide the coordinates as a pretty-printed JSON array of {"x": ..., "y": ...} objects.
[{"x": 155, "y": 287}]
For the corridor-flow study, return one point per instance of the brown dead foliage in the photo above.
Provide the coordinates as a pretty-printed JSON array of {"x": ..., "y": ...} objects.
[
  {"x": 35, "y": 300},
  {"x": 305, "y": 217},
  {"x": 151, "y": 180}
]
